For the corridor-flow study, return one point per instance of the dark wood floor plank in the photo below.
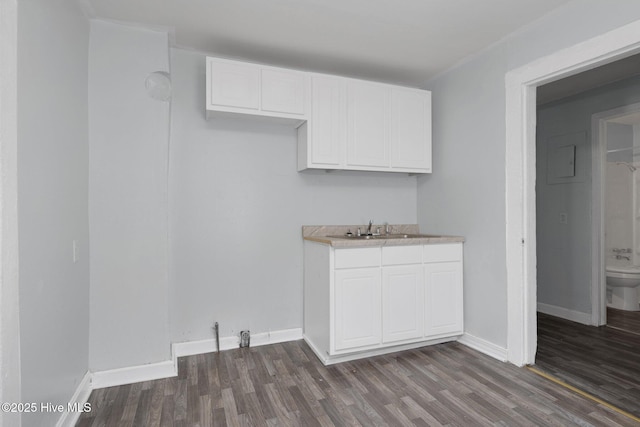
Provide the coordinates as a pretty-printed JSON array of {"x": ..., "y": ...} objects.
[
  {"x": 180, "y": 396},
  {"x": 285, "y": 385},
  {"x": 628, "y": 321},
  {"x": 602, "y": 361},
  {"x": 168, "y": 406},
  {"x": 156, "y": 403},
  {"x": 142, "y": 412},
  {"x": 255, "y": 412}
]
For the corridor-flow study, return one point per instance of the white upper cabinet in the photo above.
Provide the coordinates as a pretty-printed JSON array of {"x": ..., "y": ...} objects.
[
  {"x": 342, "y": 123},
  {"x": 322, "y": 141},
  {"x": 368, "y": 124},
  {"x": 249, "y": 89},
  {"x": 410, "y": 129},
  {"x": 283, "y": 91},
  {"x": 361, "y": 125},
  {"x": 233, "y": 84}
]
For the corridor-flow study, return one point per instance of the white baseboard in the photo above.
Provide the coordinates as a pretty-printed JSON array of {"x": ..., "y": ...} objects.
[
  {"x": 80, "y": 397},
  {"x": 484, "y": 346},
  {"x": 169, "y": 368},
  {"x": 565, "y": 313},
  {"x": 133, "y": 374},
  {"x": 227, "y": 343},
  {"x": 331, "y": 360}
]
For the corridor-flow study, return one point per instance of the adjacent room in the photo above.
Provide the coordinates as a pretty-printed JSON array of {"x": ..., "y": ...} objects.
[
  {"x": 587, "y": 243},
  {"x": 308, "y": 213}
]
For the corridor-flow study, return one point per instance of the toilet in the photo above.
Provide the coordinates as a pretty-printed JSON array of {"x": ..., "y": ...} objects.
[{"x": 623, "y": 286}]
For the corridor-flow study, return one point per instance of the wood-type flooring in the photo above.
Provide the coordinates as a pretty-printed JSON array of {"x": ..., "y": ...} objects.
[
  {"x": 602, "y": 361},
  {"x": 625, "y": 320},
  {"x": 286, "y": 385}
]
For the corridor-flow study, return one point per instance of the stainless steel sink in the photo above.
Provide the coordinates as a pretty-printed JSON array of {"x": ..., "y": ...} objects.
[
  {"x": 409, "y": 236},
  {"x": 385, "y": 236},
  {"x": 361, "y": 237}
]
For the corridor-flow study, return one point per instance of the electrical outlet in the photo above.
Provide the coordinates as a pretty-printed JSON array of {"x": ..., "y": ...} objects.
[
  {"x": 245, "y": 338},
  {"x": 564, "y": 218}
]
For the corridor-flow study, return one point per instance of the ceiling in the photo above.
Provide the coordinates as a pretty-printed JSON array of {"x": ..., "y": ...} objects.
[
  {"x": 590, "y": 79},
  {"x": 405, "y": 42}
]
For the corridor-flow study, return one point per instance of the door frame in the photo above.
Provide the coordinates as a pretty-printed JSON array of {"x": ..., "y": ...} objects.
[{"x": 520, "y": 172}]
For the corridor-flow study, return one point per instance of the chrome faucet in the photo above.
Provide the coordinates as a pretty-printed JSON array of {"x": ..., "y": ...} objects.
[
  {"x": 621, "y": 251},
  {"x": 369, "y": 227}
]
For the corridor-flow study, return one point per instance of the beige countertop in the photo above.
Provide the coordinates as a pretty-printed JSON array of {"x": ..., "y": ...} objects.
[{"x": 334, "y": 235}]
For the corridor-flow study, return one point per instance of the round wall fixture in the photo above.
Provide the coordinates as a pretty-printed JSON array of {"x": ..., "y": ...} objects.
[{"x": 158, "y": 85}]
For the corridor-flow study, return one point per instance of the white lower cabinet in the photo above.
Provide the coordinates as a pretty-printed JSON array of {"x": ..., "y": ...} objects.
[
  {"x": 357, "y": 308},
  {"x": 442, "y": 298},
  {"x": 364, "y": 301},
  {"x": 402, "y": 303}
]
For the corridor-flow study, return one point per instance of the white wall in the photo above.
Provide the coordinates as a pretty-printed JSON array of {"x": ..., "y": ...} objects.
[
  {"x": 128, "y": 198},
  {"x": 237, "y": 205},
  {"x": 466, "y": 193},
  {"x": 52, "y": 201},
  {"x": 564, "y": 250}
]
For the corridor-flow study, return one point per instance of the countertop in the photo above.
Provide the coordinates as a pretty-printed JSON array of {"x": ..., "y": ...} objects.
[{"x": 333, "y": 235}]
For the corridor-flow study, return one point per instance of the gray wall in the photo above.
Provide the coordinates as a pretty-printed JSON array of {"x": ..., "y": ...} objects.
[
  {"x": 9, "y": 283},
  {"x": 128, "y": 198},
  {"x": 237, "y": 205},
  {"x": 466, "y": 193},
  {"x": 564, "y": 250},
  {"x": 52, "y": 201}
]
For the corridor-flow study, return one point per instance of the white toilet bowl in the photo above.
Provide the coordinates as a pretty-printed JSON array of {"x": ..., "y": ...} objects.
[{"x": 623, "y": 284}]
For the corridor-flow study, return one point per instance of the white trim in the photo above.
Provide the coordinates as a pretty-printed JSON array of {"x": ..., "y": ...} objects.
[
  {"x": 169, "y": 368},
  {"x": 80, "y": 396},
  {"x": 133, "y": 374},
  {"x": 190, "y": 348},
  {"x": 330, "y": 360},
  {"x": 520, "y": 172},
  {"x": 275, "y": 337},
  {"x": 228, "y": 343},
  {"x": 598, "y": 275},
  {"x": 484, "y": 346},
  {"x": 565, "y": 313}
]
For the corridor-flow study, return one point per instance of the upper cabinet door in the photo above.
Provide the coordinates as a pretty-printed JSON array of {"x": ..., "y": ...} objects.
[
  {"x": 368, "y": 124},
  {"x": 411, "y": 129},
  {"x": 283, "y": 91},
  {"x": 328, "y": 127},
  {"x": 233, "y": 84}
]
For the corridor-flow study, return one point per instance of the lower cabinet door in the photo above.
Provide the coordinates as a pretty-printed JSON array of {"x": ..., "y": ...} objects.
[
  {"x": 402, "y": 303},
  {"x": 357, "y": 321},
  {"x": 443, "y": 298}
]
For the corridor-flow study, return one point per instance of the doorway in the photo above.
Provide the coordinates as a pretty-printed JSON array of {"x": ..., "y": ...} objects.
[
  {"x": 520, "y": 161},
  {"x": 574, "y": 136},
  {"x": 616, "y": 135}
]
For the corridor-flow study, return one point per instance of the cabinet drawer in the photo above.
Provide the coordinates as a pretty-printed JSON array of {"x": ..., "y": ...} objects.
[
  {"x": 357, "y": 257},
  {"x": 442, "y": 252},
  {"x": 398, "y": 255}
]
